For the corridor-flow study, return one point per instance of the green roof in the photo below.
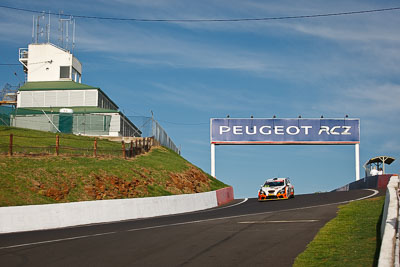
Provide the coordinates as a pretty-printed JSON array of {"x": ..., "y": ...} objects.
[
  {"x": 57, "y": 85},
  {"x": 77, "y": 110}
]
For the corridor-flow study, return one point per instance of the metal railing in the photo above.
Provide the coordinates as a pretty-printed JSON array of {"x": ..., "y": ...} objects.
[{"x": 151, "y": 128}]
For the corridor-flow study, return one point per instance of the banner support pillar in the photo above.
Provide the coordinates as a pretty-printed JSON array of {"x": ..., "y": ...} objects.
[
  {"x": 357, "y": 152},
  {"x": 213, "y": 160}
]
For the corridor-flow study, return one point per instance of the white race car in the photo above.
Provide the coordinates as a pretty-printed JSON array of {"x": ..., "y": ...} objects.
[{"x": 276, "y": 188}]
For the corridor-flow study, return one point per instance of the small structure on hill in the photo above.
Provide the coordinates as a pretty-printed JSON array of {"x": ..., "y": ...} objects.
[
  {"x": 376, "y": 165},
  {"x": 54, "y": 85}
]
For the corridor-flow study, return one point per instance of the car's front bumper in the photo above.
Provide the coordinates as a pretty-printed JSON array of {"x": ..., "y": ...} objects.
[{"x": 263, "y": 197}]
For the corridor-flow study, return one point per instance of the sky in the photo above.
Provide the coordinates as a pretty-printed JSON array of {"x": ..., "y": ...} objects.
[{"x": 189, "y": 72}]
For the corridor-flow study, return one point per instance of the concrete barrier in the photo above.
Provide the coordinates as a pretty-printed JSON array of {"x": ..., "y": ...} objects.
[
  {"x": 389, "y": 224},
  {"x": 49, "y": 216},
  {"x": 224, "y": 195},
  {"x": 376, "y": 182}
]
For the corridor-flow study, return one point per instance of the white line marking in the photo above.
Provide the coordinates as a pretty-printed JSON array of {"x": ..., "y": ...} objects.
[
  {"x": 57, "y": 240},
  {"x": 295, "y": 221},
  {"x": 208, "y": 210},
  {"x": 244, "y": 200},
  {"x": 184, "y": 223},
  {"x": 374, "y": 194}
]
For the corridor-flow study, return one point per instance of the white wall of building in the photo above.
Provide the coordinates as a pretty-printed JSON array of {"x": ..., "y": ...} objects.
[
  {"x": 115, "y": 125},
  {"x": 36, "y": 122},
  {"x": 44, "y": 62},
  {"x": 57, "y": 98}
]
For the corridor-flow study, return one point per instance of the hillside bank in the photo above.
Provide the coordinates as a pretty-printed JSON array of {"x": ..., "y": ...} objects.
[{"x": 27, "y": 180}]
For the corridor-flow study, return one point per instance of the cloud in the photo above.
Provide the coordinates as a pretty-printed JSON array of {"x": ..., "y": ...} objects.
[
  {"x": 371, "y": 100},
  {"x": 377, "y": 107},
  {"x": 211, "y": 100},
  {"x": 15, "y": 30},
  {"x": 135, "y": 45}
]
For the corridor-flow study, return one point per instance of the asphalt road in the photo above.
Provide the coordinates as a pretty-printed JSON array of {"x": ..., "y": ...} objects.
[{"x": 243, "y": 233}]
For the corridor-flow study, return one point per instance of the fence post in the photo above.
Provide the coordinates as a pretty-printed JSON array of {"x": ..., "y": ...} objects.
[
  {"x": 95, "y": 147},
  {"x": 136, "y": 147},
  {"x": 123, "y": 149},
  {"x": 131, "y": 149},
  {"x": 10, "y": 147},
  {"x": 57, "y": 144}
]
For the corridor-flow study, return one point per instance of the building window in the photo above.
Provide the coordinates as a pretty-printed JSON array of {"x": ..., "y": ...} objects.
[{"x": 64, "y": 72}]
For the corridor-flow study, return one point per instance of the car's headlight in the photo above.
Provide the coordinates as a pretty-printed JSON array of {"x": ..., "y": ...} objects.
[{"x": 282, "y": 191}]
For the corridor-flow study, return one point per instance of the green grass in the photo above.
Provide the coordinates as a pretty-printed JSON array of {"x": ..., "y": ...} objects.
[
  {"x": 28, "y": 180},
  {"x": 351, "y": 239}
]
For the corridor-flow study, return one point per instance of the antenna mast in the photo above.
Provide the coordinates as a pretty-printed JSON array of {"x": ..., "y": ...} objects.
[
  {"x": 41, "y": 34},
  {"x": 64, "y": 32},
  {"x": 38, "y": 31}
]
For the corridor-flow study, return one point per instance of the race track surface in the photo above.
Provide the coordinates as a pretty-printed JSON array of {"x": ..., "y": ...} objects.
[{"x": 243, "y": 233}]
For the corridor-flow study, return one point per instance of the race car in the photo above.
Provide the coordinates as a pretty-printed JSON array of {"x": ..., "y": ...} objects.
[{"x": 276, "y": 188}]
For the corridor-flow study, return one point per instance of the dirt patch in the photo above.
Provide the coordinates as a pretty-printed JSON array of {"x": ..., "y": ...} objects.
[
  {"x": 190, "y": 181},
  {"x": 101, "y": 185},
  {"x": 112, "y": 187},
  {"x": 56, "y": 191}
]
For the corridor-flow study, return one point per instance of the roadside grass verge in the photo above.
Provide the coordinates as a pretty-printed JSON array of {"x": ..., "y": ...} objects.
[{"x": 350, "y": 239}]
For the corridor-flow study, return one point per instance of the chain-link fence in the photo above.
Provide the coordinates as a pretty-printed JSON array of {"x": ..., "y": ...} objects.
[
  {"x": 5, "y": 113},
  {"x": 84, "y": 124},
  {"x": 150, "y": 127}
]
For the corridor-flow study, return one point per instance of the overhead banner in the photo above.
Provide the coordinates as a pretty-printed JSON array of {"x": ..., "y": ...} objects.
[{"x": 285, "y": 131}]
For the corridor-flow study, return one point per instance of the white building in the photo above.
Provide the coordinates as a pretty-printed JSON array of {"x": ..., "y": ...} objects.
[
  {"x": 53, "y": 84},
  {"x": 47, "y": 62}
]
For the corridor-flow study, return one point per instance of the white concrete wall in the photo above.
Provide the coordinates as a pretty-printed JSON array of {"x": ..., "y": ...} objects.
[
  {"x": 39, "y": 217},
  {"x": 389, "y": 224}
]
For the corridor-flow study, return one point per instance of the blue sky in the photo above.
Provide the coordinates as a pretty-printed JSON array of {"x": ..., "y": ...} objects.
[{"x": 187, "y": 73}]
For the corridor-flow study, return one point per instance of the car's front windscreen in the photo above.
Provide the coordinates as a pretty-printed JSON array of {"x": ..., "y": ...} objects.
[{"x": 275, "y": 183}]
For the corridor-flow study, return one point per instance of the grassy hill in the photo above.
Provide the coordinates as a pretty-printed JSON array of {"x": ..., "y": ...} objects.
[{"x": 26, "y": 180}]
